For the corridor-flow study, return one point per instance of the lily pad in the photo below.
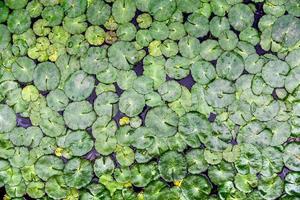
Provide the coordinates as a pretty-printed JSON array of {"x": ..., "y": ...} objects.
[
  {"x": 162, "y": 120},
  {"x": 172, "y": 166}
]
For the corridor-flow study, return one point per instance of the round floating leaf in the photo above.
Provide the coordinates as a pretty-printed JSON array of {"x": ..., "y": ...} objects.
[
  {"x": 78, "y": 173},
  {"x": 124, "y": 134},
  {"x": 290, "y": 81},
  {"x": 240, "y": 16},
  {"x": 142, "y": 137},
  {"x": 143, "y": 85},
  {"x": 196, "y": 187},
  {"x": 231, "y": 153},
  {"x": 108, "y": 76},
  {"x": 13, "y": 4},
  {"x": 57, "y": 100},
  {"x": 194, "y": 123},
  {"x": 183, "y": 104},
  {"x": 18, "y": 190},
  {"x": 172, "y": 166},
  {"x": 104, "y": 103},
  {"x": 20, "y": 157},
  {"x": 67, "y": 65},
  {"x": 162, "y": 120},
  {"x": 48, "y": 166},
  {"x": 46, "y": 146},
  {"x": 293, "y": 58},
  {"x": 79, "y": 86},
  {"x": 122, "y": 54},
  {"x": 250, "y": 160},
  {"x": 162, "y": 9},
  {"x": 159, "y": 30},
  {"x": 122, "y": 175},
  {"x": 153, "y": 99},
  {"x": 52, "y": 124},
  {"x": 178, "y": 67},
  {"x": 124, "y": 155},
  {"x": 196, "y": 162},
  {"x": 126, "y": 193},
  {"x": 95, "y": 35},
  {"x": 285, "y": 30},
  {"x": 76, "y": 44},
  {"x": 212, "y": 157},
  {"x": 154, "y": 189},
  {"x": 228, "y": 40},
  {"x": 131, "y": 103},
  {"x": 271, "y": 187},
  {"x": 18, "y": 21},
  {"x": 7, "y": 118},
  {"x": 23, "y": 69},
  {"x": 272, "y": 161},
  {"x": 95, "y": 191},
  {"x": 176, "y": 31},
  {"x": 197, "y": 25},
  {"x": 170, "y": 91},
  {"x": 79, "y": 142},
  {"x": 169, "y": 48},
  {"x": 79, "y": 115},
  {"x": 210, "y": 50},
  {"x": 266, "y": 112},
  {"x": 240, "y": 112},
  {"x": 98, "y": 12},
  {"x": 94, "y": 61},
  {"x": 35, "y": 190},
  {"x": 189, "y": 47},
  {"x": 74, "y": 8},
  {"x": 254, "y": 63},
  {"x": 46, "y": 76},
  {"x": 274, "y": 73},
  {"x": 56, "y": 187},
  {"x": 188, "y": 6},
  {"x": 30, "y": 93},
  {"x": 291, "y": 156},
  {"x": 250, "y": 35},
  {"x": 103, "y": 165},
  {"x": 198, "y": 100},
  {"x": 221, "y": 173},
  {"x": 53, "y": 15},
  {"x": 291, "y": 183},
  {"x": 143, "y": 174},
  {"x": 281, "y": 132},
  {"x": 125, "y": 79},
  {"x": 5, "y": 37},
  {"x": 26, "y": 137},
  {"x": 123, "y": 10},
  {"x": 220, "y": 93},
  {"x": 104, "y": 127},
  {"x": 228, "y": 190},
  {"x": 105, "y": 145},
  {"x": 245, "y": 183},
  {"x": 229, "y": 66},
  {"x": 169, "y": 194}
]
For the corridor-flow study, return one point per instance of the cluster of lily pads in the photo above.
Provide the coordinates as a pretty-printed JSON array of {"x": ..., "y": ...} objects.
[{"x": 150, "y": 99}]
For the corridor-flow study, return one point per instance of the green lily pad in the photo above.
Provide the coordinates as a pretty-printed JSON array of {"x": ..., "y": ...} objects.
[
  {"x": 172, "y": 166},
  {"x": 7, "y": 118},
  {"x": 79, "y": 86},
  {"x": 162, "y": 120},
  {"x": 78, "y": 173},
  {"x": 48, "y": 166},
  {"x": 46, "y": 76},
  {"x": 79, "y": 115}
]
